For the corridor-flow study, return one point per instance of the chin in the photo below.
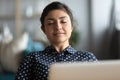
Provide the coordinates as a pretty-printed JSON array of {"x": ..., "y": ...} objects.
[{"x": 60, "y": 41}]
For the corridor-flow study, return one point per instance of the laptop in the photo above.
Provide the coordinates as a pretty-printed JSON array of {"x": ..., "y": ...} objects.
[{"x": 102, "y": 70}]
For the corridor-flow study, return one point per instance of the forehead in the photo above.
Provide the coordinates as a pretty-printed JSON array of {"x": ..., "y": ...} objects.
[{"x": 55, "y": 14}]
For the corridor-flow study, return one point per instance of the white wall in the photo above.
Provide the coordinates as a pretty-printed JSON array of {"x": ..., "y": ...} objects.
[{"x": 100, "y": 23}]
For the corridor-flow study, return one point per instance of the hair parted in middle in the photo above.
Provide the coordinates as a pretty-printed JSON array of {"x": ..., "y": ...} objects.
[{"x": 55, "y": 6}]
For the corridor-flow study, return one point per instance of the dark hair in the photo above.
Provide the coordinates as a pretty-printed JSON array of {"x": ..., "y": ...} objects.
[{"x": 53, "y": 6}]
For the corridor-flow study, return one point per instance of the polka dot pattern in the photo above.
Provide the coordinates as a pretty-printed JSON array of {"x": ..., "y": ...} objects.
[{"x": 36, "y": 65}]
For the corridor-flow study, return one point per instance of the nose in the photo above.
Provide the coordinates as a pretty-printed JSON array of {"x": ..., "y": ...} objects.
[{"x": 58, "y": 25}]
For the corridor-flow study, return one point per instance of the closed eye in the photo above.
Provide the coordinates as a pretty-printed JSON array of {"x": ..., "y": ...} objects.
[
  {"x": 50, "y": 24},
  {"x": 64, "y": 21}
]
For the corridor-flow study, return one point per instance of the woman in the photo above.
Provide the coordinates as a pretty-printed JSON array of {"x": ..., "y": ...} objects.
[{"x": 57, "y": 24}]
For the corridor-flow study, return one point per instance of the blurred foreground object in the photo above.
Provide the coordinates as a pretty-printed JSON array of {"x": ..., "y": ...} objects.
[{"x": 12, "y": 51}]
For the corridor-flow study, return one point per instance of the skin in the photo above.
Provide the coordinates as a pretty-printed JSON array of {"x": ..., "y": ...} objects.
[{"x": 58, "y": 28}]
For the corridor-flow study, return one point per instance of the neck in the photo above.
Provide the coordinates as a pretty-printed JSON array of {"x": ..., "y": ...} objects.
[{"x": 60, "y": 47}]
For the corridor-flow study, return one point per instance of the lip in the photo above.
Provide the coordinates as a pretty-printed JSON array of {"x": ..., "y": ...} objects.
[{"x": 58, "y": 34}]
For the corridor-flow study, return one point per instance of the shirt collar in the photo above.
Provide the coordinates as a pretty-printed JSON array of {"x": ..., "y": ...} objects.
[{"x": 69, "y": 49}]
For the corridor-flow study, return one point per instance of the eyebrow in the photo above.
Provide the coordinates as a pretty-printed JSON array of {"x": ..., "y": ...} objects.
[{"x": 59, "y": 18}]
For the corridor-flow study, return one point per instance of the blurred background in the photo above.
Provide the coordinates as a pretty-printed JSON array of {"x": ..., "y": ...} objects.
[{"x": 97, "y": 29}]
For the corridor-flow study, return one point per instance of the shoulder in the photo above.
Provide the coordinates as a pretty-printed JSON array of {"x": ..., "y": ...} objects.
[
  {"x": 36, "y": 53},
  {"x": 87, "y": 56},
  {"x": 32, "y": 56},
  {"x": 85, "y": 53}
]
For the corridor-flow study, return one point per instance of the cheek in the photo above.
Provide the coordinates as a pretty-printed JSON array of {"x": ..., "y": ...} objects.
[
  {"x": 69, "y": 29},
  {"x": 48, "y": 31},
  {"x": 69, "y": 26}
]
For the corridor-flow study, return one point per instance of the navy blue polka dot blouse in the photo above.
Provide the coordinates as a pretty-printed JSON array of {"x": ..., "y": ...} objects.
[{"x": 35, "y": 66}]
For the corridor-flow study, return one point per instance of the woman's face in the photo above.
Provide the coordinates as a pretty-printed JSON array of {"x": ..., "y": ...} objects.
[{"x": 57, "y": 26}]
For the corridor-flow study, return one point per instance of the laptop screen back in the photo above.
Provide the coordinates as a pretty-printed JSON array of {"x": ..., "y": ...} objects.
[{"x": 102, "y": 70}]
